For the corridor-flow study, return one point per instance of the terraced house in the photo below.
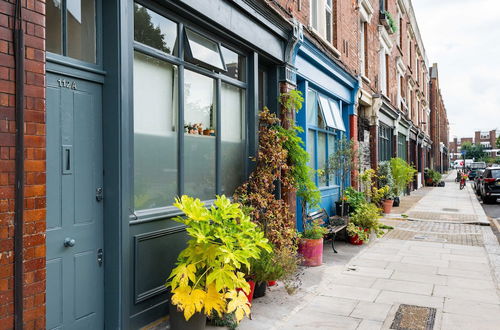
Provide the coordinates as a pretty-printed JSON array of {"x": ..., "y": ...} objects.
[{"x": 110, "y": 109}]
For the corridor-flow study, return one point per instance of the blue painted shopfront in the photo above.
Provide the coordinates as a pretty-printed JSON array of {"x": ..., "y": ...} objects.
[{"x": 329, "y": 100}]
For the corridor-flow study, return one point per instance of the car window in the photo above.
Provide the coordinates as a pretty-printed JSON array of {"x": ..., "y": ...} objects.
[{"x": 495, "y": 173}]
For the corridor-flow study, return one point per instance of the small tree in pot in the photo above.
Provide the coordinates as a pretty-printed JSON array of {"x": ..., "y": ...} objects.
[
  {"x": 403, "y": 174},
  {"x": 385, "y": 179}
]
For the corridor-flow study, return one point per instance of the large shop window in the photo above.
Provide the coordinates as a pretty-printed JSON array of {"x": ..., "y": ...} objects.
[
  {"x": 71, "y": 28},
  {"x": 324, "y": 127},
  {"x": 385, "y": 138},
  {"x": 199, "y": 125}
]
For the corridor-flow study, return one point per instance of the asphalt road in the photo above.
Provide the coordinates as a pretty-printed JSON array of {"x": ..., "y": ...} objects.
[{"x": 492, "y": 210}]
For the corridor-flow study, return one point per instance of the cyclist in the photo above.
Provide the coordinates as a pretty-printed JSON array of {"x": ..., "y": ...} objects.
[{"x": 463, "y": 180}]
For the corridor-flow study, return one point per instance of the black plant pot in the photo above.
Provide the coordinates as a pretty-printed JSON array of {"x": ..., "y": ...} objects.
[
  {"x": 260, "y": 290},
  {"x": 177, "y": 321},
  {"x": 338, "y": 209},
  {"x": 396, "y": 202}
]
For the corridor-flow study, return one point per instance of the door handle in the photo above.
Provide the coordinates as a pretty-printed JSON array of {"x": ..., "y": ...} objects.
[
  {"x": 67, "y": 159},
  {"x": 69, "y": 242}
]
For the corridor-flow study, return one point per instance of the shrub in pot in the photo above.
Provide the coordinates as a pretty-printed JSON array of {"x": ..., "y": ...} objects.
[
  {"x": 265, "y": 269},
  {"x": 211, "y": 268},
  {"x": 362, "y": 222},
  {"x": 311, "y": 244},
  {"x": 403, "y": 174},
  {"x": 354, "y": 199}
]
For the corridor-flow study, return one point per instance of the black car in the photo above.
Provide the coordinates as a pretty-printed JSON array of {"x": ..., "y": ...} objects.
[
  {"x": 474, "y": 168},
  {"x": 476, "y": 185},
  {"x": 490, "y": 185}
]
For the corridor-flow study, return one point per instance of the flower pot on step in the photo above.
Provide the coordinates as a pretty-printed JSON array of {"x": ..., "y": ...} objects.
[
  {"x": 387, "y": 205},
  {"x": 178, "y": 322},
  {"x": 312, "y": 251},
  {"x": 271, "y": 283},
  {"x": 260, "y": 290}
]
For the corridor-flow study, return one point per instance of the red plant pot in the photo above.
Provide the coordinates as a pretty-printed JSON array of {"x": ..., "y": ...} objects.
[
  {"x": 252, "y": 289},
  {"x": 312, "y": 251},
  {"x": 354, "y": 240},
  {"x": 271, "y": 283},
  {"x": 387, "y": 205}
]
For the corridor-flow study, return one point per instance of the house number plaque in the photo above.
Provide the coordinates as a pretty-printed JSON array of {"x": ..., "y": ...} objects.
[{"x": 67, "y": 83}]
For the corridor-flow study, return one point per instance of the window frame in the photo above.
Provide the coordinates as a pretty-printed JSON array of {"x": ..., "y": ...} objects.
[
  {"x": 63, "y": 57},
  {"x": 181, "y": 61},
  {"x": 385, "y": 149},
  {"x": 331, "y": 183},
  {"x": 318, "y": 9}
]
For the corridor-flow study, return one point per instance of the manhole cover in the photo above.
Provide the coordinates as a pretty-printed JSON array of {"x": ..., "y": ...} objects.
[
  {"x": 411, "y": 317},
  {"x": 450, "y": 210}
]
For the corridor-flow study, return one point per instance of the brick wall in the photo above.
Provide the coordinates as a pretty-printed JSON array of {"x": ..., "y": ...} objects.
[{"x": 34, "y": 216}]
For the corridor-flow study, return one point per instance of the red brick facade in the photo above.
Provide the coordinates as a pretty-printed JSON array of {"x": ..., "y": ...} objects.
[
  {"x": 439, "y": 123},
  {"x": 33, "y": 14}
]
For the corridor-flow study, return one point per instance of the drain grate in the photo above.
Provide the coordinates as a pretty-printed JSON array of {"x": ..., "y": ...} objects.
[
  {"x": 450, "y": 210},
  {"x": 411, "y": 317},
  {"x": 429, "y": 238}
]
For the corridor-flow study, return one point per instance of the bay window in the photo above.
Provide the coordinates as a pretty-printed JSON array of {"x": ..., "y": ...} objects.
[{"x": 189, "y": 113}]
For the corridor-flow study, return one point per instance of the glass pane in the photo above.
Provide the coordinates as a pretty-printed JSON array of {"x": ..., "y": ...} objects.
[
  {"x": 199, "y": 138},
  {"x": 232, "y": 137},
  {"x": 328, "y": 26},
  {"x": 337, "y": 115},
  {"x": 81, "y": 30},
  {"x": 202, "y": 50},
  {"x": 155, "y": 132},
  {"x": 327, "y": 112},
  {"x": 54, "y": 29},
  {"x": 311, "y": 149},
  {"x": 154, "y": 30},
  {"x": 314, "y": 14},
  {"x": 331, "y": 150},
  {"x": 322, "y": 157},
  {"x": 312, "y": 108},
  {"x": 235, "y": 64}
]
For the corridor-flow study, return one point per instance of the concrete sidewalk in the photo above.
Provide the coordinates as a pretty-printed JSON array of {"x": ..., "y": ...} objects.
[{"x": 419, "y": 281}]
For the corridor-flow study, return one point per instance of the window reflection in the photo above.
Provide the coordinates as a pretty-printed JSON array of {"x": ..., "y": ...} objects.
[
  {"x": 203, "y": 51},
  {"x": 54, "y": 26},
  {"x": 154, "y": 30},
  {"x": 199, "y": 140},
  {"x": 81, "y": 25},
  {"x": 235, "y": 64}
]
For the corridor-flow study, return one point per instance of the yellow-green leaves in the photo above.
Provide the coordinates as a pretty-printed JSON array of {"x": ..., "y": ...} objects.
[{"x": 212, "y": 266}]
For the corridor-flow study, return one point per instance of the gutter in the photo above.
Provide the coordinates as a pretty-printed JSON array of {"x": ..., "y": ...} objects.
[{"x": 19, "y": 188}]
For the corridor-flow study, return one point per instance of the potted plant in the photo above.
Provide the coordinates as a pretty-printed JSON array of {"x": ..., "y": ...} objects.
[
  {"x": 211, "y": 268},
  {"x": 311, "y": 244},
  {"x": 403, "y": 174},
  {"x": 388, "y": 21},
  {"x": 362, "y": 222},
  {"x": 354, "y": 199},
  {"x": 264, "y": 270},
  {"x": 339, "y": 165},
  {"x": 385, "y": 179}
]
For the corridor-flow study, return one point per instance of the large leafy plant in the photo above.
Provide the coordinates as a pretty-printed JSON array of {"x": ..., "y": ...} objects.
[
  {"x": 210, "y": 269},
  {"x": 402, "y": 173},
  {"x": 385, "y": 178},
  {"x": 366, "y": 216}
]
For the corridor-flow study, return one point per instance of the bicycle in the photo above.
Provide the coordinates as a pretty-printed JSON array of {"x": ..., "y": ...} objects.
[{"x": 463, "y": 181}]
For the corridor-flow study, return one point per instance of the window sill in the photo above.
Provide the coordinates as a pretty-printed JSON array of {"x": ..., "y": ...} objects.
[
  {"x": 324, "y": 42},
  {"x": 365, "y": 79}
]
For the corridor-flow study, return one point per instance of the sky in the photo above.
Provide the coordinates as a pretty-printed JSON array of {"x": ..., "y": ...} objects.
[{"x": 463, "y": 37}]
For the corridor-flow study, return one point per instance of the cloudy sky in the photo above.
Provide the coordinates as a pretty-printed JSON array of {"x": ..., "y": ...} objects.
[{"x": 463, "y": 37}]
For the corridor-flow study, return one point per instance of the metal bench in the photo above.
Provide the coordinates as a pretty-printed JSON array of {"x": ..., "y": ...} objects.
[{"x": 332, "y": 224}]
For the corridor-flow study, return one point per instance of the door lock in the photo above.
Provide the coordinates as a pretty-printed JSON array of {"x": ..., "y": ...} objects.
[
  {"x": 100, "y": 257},
  {"x": 99, "y": 194},
  {"x": 69, "y": 242}
]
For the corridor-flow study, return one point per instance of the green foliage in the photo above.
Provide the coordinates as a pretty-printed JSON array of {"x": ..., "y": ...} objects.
[
  {"x": 390, "y": 20},
  {"x": 473, "y": 151},
  {"x": 291, "y": 101},
  {"x": 354, "y": 198},
  {"x": 385, "y": 178},
  {"x": 274, "y": 265},
  {"x": 402, "y": 173},
  {"x": 366, "y": 216},
  {"x": 498, "y": 142},
  {"x": 432, "y": 177},
  {"x": 314, "y": 230},
  {"x": 209, "y": 270},
  {"x": 146, "y": 32}
]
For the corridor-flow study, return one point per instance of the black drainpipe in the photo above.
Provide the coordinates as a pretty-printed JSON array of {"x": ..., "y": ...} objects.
[{"x": 19, "y": 211}]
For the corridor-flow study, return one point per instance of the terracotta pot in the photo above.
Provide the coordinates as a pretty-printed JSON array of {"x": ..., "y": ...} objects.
[
  {"x": 312, "y": 251},
  {"x": 271, "y": 283},
  {"x": 252, "y": 289},
  {"x": 178, "y": 322},
  {"x": 387, "y": 205}
]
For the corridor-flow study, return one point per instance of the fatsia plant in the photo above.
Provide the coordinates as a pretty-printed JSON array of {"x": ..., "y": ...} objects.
[{"x": 210, "y": 269}]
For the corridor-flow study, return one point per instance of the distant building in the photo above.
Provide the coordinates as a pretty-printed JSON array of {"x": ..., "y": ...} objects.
[{"x": 439, "y": 124}]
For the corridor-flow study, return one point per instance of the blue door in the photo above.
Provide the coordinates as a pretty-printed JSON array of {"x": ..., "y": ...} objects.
[{"x": 75, "y": 281}]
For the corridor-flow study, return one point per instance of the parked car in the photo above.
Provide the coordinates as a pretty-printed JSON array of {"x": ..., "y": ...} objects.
[
  {"x": 474, "y": 167},
  {"x": 476, "y": 185},
  {"x": 490, "y": 185}
]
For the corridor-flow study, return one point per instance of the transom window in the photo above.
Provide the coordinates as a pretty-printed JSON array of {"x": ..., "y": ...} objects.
[
  {"x": 324, "y": 127},
  {"x": 189, "y": 113},
  {"x": 71, "y": 28}
]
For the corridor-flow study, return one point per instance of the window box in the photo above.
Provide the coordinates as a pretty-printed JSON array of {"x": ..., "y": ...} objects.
[{"x": 387, "y": 20}]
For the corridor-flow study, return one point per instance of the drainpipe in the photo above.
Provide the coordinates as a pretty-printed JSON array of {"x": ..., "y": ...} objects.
[{"x": 19, "y": 188}]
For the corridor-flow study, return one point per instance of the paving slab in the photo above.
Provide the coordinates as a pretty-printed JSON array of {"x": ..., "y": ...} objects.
[
  {"x": 460, "y": 321},
  {"x": 414, "y": 268},
  {"x": 370, "y": 325},
  {"x": 403, "y": 286},
  {"x": 351, "y": 292},
  {"x": 371, "y": 311},
  {"x": 312, "y": 319},
  {"x": 393, "y": 298},
  {"x": 420, "y": 278},
  {"x": 465, "y": 307},
  {"x": 480, "y": 295}
]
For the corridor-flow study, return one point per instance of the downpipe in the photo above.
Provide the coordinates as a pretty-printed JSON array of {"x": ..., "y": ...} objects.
[{"x": 19, "y": 188}]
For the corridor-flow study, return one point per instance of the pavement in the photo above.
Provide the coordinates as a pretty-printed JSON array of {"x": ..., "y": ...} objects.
[{"x": 438, "y": 269}]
